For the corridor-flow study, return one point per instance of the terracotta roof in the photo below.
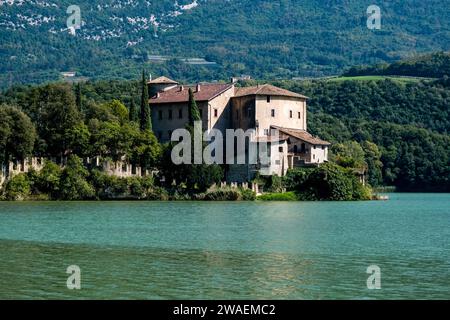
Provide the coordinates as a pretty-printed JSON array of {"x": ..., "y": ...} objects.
[
  {"x": 163, "y": 80},
  {"x": 180, "y": 94},
  {"x": 270, "y": 139},
  {"x": 267, "y": 90},
  {"x": 303, "y": 135}
]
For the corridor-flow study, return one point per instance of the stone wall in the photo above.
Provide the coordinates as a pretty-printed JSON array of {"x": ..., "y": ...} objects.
[{"x": 121, "y": 169}]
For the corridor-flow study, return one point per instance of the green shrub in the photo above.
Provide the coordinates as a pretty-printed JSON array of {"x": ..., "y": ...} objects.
[
  {"x": 288, "y": 196},
  {"x": 74, "y": 185},
  {"x": 223, "y": 195},
  {"x": 18, "y": 188},
  {"x": 158, "y": 194},
  {"x": 48, "y": 180},
  {"x": 361, "y": 192},
  {"x": 273, "y": 184},
  {"x": 296, "y": 178},
  {"x": 109, "y": 187},
  {"x": 226, "y": 194},
  {"x": 332, "y": 182},
  {"x": 248, "y": 195}
]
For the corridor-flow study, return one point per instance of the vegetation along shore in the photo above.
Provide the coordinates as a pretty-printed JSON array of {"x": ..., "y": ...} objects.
[{"x": 388, "y": 132}]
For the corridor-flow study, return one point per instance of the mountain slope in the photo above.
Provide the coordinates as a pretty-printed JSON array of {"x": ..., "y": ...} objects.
[
  {"x": 435, "y": 65},
  {"x": 264, "y": 38}
]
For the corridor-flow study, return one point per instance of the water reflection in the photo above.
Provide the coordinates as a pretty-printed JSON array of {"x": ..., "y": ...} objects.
[
  {"x": 189, "y": 250},
  {"x": 33, "y": 270}
]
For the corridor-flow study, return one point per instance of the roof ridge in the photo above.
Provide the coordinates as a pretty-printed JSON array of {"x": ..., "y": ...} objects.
[{"x": 309, "y": 137}]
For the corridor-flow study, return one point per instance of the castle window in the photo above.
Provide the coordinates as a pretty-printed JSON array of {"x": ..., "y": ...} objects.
[
  {"x": 299, "y": 115},
  {"x": 266, "y": 132},
  {"x": 216, "y": 113},
  {"x": 170, "y": 114},
  {"x": 268, "y": 99},
  {"x": 273, "y": 113},
  {"x": 291, "y": 114},
  {"x": 180, "y": 113},
  {"x": 280, "y": 149},
  {"x": 303, "y": 148},
  {"x": 160, "y": 115}
]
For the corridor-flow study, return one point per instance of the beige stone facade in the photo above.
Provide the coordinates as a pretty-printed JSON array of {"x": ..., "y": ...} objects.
[
  {"x": 170, "y": 109},
  {"x": 268, "y": 110}
]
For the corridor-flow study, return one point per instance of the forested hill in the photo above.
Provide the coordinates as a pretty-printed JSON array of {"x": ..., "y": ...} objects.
[
  {"x": 423, "y": 104},
  {"x": 436, "y": 65},
  {"x": 263, "y": 38},
  {"x": 408, "y": 120}
]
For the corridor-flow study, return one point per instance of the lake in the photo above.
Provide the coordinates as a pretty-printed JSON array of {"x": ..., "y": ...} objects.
[{"x": 218, "y": 250}]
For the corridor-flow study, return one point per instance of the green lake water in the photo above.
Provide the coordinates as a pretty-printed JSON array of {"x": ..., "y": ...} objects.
[{"x": 248, "y": 250}]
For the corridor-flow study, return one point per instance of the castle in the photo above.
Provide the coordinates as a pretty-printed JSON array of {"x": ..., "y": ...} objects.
[{"x": 277, "y": 117}]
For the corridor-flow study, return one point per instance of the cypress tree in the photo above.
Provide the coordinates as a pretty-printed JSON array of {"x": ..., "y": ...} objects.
[
  {"x": 146, "y": 121},
  {"x": 194, "y": 112},
  {"x": 133, "y": 111},
  {"x": 78, "y": 101}
]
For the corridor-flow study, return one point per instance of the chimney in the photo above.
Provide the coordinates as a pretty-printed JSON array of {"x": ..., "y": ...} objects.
[{"x": 198, "y": 87}]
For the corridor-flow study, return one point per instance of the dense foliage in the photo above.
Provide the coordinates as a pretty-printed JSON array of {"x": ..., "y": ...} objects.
[
  {"x": 408, "y": 122},
  {"x": 397, "y": 132},
  {"x": 263, "y": 38},
  {"x": 75, "y": 182},
  {"x": 329, "y": 182},
  {"x": 17, "y": 134},
  {"x": 435, "y": 65}
]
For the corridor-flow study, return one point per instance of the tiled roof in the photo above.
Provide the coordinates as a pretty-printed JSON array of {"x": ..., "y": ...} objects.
[
  {"x": 163, "y": 80},
  {"x": 270, "y": 139},
  {"x": 267, "y": 90},
  {"x": 303, "y": 135},
  {"x": 180, "y": 94}
]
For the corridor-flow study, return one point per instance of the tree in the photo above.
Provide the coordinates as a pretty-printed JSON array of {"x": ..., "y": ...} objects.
[
  {"x": 110, "y": 139},
  {"x": 374, "y": 164},
  {"x": 349, "y": 155},
  {"x": 332, "y": 182},
  {"x": 146, "y": 150},
  {"x": 194, "y": 112},
  {"x": 56, "y": 114},
  {"x": 17, "y": 135},
  {"x": 48, "y": 179},
  {"x": 133, "y": 111},
  {"x": 79, "y": 100},
  {"x": 146, "y": 121},
  {"x": 18, "y": 188},
  {"x": 77, "y": 139},
  {"x": 197, "y": 178},
  {"x": 119, "y": 110},
  {"x": 74, "y": 185}
]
